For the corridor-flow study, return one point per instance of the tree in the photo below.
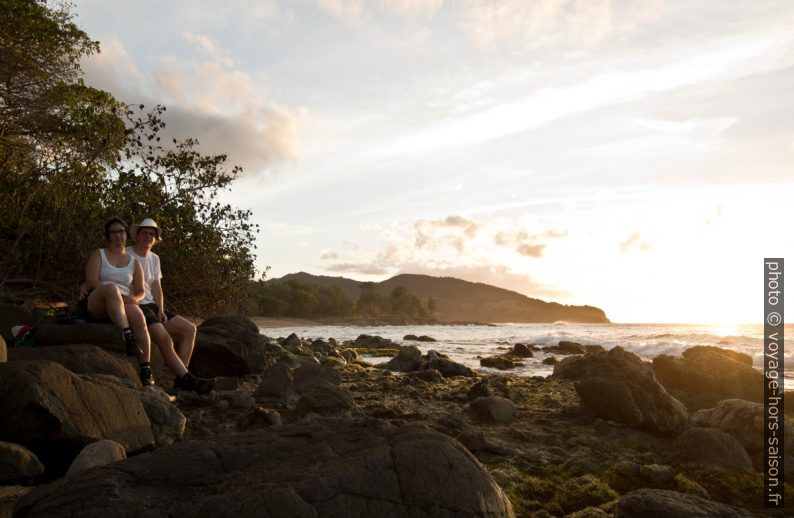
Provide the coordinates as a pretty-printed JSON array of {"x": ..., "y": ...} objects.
[
  {"x": 370, "y": 303},
  {"x": 72, "y": 155},
  {"x": 57, "y": 137},
  {"x": 403, "y": 303}
]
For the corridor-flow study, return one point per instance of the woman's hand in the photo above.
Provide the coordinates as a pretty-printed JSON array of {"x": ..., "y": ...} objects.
[
  {"x": 129, "y": 299},
  {"x": 163, "y": 318}
]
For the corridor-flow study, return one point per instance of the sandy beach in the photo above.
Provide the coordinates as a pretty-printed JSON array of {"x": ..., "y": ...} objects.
[{"x": 282, "y": 322}]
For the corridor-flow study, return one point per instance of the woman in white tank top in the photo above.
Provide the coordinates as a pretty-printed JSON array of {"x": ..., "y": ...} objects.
[{"x": 114, "y": 286}]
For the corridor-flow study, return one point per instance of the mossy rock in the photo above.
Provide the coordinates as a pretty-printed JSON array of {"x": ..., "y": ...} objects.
[
  {"x": 742, "y": 488},
  {"x": 686, "y": 485},
  {"x": 580, "y": 492}
]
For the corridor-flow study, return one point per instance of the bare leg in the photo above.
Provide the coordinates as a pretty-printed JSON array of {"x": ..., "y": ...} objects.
[
  {"x": 105, "y": 301},
  {"x": 187, "y": 337},
  {"x": 139, "y": 330},
  {"x": 163, "y": 340}
]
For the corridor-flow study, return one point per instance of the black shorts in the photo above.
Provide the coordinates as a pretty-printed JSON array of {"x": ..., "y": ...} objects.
[{"x": 152, "y": 313}]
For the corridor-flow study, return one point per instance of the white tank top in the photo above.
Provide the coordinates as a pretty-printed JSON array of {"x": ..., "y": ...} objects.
[{"x": 121, "y": 277}]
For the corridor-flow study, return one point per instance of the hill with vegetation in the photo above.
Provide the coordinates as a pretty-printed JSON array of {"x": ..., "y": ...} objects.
[{"x": 441, "y": 299}]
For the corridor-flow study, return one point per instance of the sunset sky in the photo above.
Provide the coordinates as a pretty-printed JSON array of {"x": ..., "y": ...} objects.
[{"x": 633, "y": 155}]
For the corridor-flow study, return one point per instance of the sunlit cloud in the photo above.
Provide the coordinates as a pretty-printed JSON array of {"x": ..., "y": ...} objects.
[
  {"x": 209, "y": 99},
  {"x": 634, "y": 242}
]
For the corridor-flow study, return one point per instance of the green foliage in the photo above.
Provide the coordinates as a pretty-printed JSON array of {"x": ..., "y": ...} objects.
[
  {"x": 370, "y": 303},
  {"x": 405, "y": 304},
  {"x": 57, "y": 139},
  {"x": 295, "y": 299},
  {"x": 71, "y": 155}
]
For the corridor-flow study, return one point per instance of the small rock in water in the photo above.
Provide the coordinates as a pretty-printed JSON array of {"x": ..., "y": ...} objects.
[
  {"x": 423, "y": 338},
  {"x": 522, "y": 351},
  {"x": 501, "y": 362}
]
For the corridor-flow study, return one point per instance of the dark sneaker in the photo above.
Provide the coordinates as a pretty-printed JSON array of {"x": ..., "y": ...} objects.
[
  {"x": 130, "y": 347},
  {"x": 197, "y": 385},
  {"x": 147, "y": 380}
]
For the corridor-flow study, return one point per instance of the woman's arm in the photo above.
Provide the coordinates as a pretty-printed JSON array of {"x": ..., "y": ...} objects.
[
  {"x": 138, "y": 291},
  {"x": 92, "y": 267}
]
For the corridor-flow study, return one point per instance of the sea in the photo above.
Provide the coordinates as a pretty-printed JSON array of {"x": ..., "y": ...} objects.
[{"x": 468, "y": 343}]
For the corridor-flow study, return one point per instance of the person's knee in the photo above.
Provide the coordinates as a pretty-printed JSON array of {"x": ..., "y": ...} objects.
[
  {"x": 161, "y": 337},
  {"x": 135, "y": 317},
  {"x": 110, "y": 291}
]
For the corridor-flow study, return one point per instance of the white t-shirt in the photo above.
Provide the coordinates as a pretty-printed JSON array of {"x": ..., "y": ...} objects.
[{"x": 151, "y": 272}]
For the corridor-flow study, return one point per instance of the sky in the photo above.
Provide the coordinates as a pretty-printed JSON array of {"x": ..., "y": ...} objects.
[{"x": 637, "y": 156}]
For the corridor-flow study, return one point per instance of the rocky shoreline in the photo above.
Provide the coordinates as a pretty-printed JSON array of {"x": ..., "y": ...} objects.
[{"x": 302, "y": 427}]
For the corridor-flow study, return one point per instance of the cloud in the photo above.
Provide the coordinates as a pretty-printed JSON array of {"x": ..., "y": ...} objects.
[
  {"x": 495, "y": 275},
  {"x": 205, "y": 42},
  {"x": 269, "y": 11},
  {"x": 453, "y": 231},
  {"x": 360, "y": 268},
  {"x": 329, "y": 255},
  {"x": 412, "y": 8},
  {"x": 531, "y": 250},
  {"x": 633, "y": 242},
  {"x": 494, "y": 23},
  {"x": 526, "y": 244},
  {"x": 350, "y": 10},
  {"x": 207, "y": 99},
  {"x": 444, "y": 247}
]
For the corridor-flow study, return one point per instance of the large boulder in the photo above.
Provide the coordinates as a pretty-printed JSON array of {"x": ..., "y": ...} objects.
[
  {"x": 709, "y": 448},
  {"x": 706, "y": 375},
  {"x": 107, "y": 336},
  {"x": 276, "y": 381},
  {"x": 617, "y": 385},
  {"x": 80, "y": 359},
  {"x": 330, "y": 468},
  {"x": 229, "y": 346},
  {"x": 96, "y": 454},
  {"x": 56, "y": 412},
  {"x": 744, "y": 420},
  {"x": 17, "y": 463},
  {"x": 167, "y": 421},
  {"x": 662, "y": 503}
]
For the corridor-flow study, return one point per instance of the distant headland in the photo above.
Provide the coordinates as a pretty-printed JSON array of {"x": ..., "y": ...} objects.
[{"x": 435, "y": 299}]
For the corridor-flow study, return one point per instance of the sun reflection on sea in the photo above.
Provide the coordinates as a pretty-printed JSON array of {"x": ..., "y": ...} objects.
[{"x": 725, "y": 330}]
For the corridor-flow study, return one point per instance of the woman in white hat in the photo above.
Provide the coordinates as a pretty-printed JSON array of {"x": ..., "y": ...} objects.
[
  {"x": 163, "y": 323},
  {"x": 114, "y": 286}
]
